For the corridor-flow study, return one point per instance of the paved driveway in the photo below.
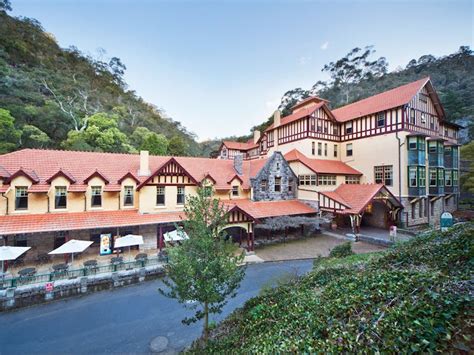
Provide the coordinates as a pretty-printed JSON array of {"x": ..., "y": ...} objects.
[
  {"x": 312, "y": 247},
  {"x": 123, "y": 320}
]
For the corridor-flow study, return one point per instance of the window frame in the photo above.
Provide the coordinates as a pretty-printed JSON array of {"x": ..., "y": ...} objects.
[
  {"x": 277, "y": 184},
  {"x": 235, "y": 190},
  {"x": 128, "y": 196},
  {"x": 380, "y": 119},
  {"x": 60, "y": 197},
  {"x": 348, "y": 128},
  {"x": 161, "y": 195},
  {"x": 21, "y": 198},
  {"x": 351, "y": 150},
  {"x": 96, "y": 196},
  {"x": 414, "y": 178},
  {"x": 327, "y": 180},
  {"x": 180, "y": 195},
  {"x": 430, "y": 177},
  {"x": 380, "y": 174},
  {"x": 352, "y": 179},
  {"x": 335, "y": 150}
]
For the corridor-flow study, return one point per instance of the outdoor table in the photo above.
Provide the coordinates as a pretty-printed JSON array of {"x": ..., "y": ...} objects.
[
  {"x": 60, "y": 267},
  {"x": 141, "y": 256},
  {"x": 90, "y": 263},
  {"x": 43, "y": 258},
  {"x": 116, "y": 260},
  {"x": 29, "y": 271}
]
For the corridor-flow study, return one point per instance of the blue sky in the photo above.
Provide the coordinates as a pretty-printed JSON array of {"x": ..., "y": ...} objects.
[{"x": 220, "y": 67}]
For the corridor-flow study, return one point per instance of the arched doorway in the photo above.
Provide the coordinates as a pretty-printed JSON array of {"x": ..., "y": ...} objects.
[{"x": 237, "y": 233}]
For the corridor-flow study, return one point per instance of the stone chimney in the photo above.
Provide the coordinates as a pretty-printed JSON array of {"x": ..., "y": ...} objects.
[
  {"x": 239, "y": 164},
  {"x": 144, "y": 164},
  {"x": 276, "y": 118},
  {"x": 256, "y": 136}
]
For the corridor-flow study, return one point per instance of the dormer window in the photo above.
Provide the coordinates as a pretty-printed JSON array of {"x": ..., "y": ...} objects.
[
  {"x": 21, "y": 198},
  {"x": 96, "y": 200},
  {"x": 235, "y": 191},
  {"x": 60, "y": 197},
  {"x": 348, "y": 127},
  {"x": 277, "y": 186},
  {"x": 263, "y": 185},
  {"x": 128, "y": 196}
]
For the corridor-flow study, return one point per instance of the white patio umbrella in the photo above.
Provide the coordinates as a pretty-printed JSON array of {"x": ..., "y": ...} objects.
[
  {"x": 11, "y": 253},
  {"x": 128, "y": 241},
  {"x": 175, "y": 235},
  {"x": 71, "y": 247}
]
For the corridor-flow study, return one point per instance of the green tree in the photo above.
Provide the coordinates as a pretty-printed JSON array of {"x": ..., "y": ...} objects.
[
  {"x": 9, "y": 135},
  {"x": 156, "y": 144},
  {"x": 467, "y": 176},
  {"x": 102, "y": 134},
  {"x": 205, "y": 269},
  {"x": 177, "y": 146},
  {"x": 33, "y": 137},
  {"x": 5, "y": 5}
]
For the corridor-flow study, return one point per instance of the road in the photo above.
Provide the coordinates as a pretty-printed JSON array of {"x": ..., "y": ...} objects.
[{"x": 123, "y": 320}]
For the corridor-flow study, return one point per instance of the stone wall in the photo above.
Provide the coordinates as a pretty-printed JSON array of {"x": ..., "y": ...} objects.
[
  {"x": 431, "y": 210},
  {"x": 275, "y": 167},
  {"x": 25, "y": 296}
]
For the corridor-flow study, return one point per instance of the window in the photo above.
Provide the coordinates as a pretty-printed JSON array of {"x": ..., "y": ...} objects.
[
  {"x": 19, "y": 240},
  {"x": 313, "y": 149},
  {"x": 433, "y": 177},
  {"x": 440, "y": 177},
  {"x": 348, "y": 127},
  {"x": 383, "y": 174},
  {"x": 412, "y": 143},
  {"x": 128, "y": 196},
  {"x": 381, "y": 119},
  {"x": 326, "y": 180},
  {"x": 412, "y": 176},
  {"x": 423, "y": 98},
  {"x": 325, "y": 149},
  {"x": 160, "y": 195},
  {"x": 432, "y": 147},
  {"x": 21, "y": 198},
  {"x": 263, "y": 185},
  {"x": 59, "y": 239},
  {"x": 455, "y": 178},
  {"x": 413, "y": 206},
  {"x": 448, "y": 178},
  {"x": 335, "y": 150},
  {"x": 277, "y": 184},
  {"x": 290, "y": 185},
  {"x": 412, "y": 116},
  {"x": 320, "y": 148},
  {"x": 335, "y": 130},
  {"x": 96, "y": 200},
  {"x": 421, "y": 176},
  {"x": 423, "y": 118},
  {"x": 312, "y": 124},
  {"x": 446, "y": 132},
  {"x": 319, "y": 126},
  {"x": 349, "y": 149},
  {"x": 420, "y": 209},
  {"x": 350, "y": 179},
  {"x": 235, "y": 191},
  {"x": 307, "y": 180},
  {"x": 224, "y": 152},
  {"x": 180, "y": 195},
  {"x": 60, "y": 197}
]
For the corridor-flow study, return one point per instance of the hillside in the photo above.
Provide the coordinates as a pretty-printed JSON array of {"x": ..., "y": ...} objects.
[
  {"x": 417, "y": 297},
  {"x": 51, "y": 92}
]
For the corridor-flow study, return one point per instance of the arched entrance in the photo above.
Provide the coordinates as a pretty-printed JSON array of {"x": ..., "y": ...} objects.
[{"x": 237, "y": 233}]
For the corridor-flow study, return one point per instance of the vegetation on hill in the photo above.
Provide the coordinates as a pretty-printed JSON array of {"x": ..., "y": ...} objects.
[
  {"x": 416, "y": 297},
  {"x": 62, "y": 98}
]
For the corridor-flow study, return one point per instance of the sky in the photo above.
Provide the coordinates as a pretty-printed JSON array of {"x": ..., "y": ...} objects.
[{"x": 221, "y": 67}]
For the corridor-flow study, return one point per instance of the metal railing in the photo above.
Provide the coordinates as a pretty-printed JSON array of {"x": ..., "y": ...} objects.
[{"x": 7, "y": 282}]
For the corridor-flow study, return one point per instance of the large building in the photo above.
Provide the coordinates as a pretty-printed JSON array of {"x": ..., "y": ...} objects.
[{"x": 385, "y": 160}]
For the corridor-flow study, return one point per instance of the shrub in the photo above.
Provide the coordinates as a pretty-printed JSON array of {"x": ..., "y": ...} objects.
[{"x": 341, "y": 251}]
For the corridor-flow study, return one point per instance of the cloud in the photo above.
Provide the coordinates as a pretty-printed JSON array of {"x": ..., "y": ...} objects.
[
  {"x": 325, "y": 45},
  {"x": 304, "y": 60}
]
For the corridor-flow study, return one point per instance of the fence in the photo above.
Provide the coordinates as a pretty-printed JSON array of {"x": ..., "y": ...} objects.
[{"x": 75, "y": 273}]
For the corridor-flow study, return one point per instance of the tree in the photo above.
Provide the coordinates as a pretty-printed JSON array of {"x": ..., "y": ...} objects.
[
  {"x": 156, "y": 144},
  {"x": 5, "y": 5},
  {"x": 177, "y": 146},
  {"x": 205, "y": 269},
  {"x": 9, "y": 135},
  {"x": 33, "y": 137},
  {"x": 102, "y": 134},
  {"x": 467, "y": 167}
]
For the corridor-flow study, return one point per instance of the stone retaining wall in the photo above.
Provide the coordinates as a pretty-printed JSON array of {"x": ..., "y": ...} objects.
[{"x": 30, "y": 295}]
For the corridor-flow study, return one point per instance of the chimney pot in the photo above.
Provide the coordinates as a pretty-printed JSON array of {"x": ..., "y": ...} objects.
[
  {"x": 144, "y": 169},
  {"x": 276, "y": 118},
  {"x": 256, "y": 136}
]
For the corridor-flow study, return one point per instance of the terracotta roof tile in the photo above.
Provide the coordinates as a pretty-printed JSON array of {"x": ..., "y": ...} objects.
[
  {"x": 4, "y": 188},
  {"x": 321, "y": 166},
  {"x": 240, "y": 145},
  {"x": 39, "y": 188},
  {"x": 264, "y": 209},
  {"x": 297, "y": 115},
  {"x": 51, "y": 222},
  {"x": 388, "y": 99}
]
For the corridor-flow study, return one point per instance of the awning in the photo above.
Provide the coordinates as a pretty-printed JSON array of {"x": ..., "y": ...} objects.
[
  {"x": 72, "y": 246},
  {"x": 12, "y": 253},
  {"x": 174, "y": 236}
]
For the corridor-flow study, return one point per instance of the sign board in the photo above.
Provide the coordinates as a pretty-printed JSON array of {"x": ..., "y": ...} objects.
[
  {"x": 105, "y": 244},
  {"x": 49, "y": 287},
  {"x": 393, "y": 231},
  {"x": 446, "y": 220}
]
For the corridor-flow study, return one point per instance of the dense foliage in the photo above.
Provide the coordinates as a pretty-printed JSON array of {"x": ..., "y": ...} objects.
[
  {"x": 52, "y": 93},
  {"x": 204, "y": 271},
  {"x": 417, "y": 297},
  {"x": 341, "y": 250}
]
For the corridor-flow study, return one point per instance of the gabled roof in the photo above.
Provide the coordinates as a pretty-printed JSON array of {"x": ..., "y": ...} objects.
[
  {"x": 304, "y": 112},
  {"x": 321, "y": 166},
  {"x": 31, "y": 175},
  {"x": 63, "y": 173},
  {"x": 240, "y": 145},
  {"x": 386, "y": 100},
  {"x": 265, "y": 209},
  {"x": 128, "y": 175},
  {"x": 358, "y": 196},
  {"x": 98, "y": 174},
  {"x": 307, "y": 100},
  {"x": 3, "y": 172}
]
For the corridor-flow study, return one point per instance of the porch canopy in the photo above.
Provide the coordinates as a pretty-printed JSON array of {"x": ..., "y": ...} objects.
[
  {"x": 71, "y": 247},
  {"x": 128, "y": 241},
  {"x": 11, "y": 253}
]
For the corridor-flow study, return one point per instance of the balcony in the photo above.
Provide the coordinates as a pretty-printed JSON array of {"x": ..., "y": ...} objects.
[
  {"x": 436, "y": 159},
  {"x": 436, "y": 190}
]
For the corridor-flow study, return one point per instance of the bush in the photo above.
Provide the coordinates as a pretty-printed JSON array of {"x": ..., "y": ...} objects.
[{"x": 341, "y": 251}]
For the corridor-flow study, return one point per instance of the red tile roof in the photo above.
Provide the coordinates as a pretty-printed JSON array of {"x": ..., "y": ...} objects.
[
  {"x": 4, "y": 188},
  {"x": 240, "y": 145},
  {"x": 264, "y": 209},
  {"x": 321, "y": 166},
  {"x": 297, "y": 115},
  {"x": 389, "y": 99},
  {"x": 308, "y": 99},
  {"x": 356, "y": 196},
  {"x": 52, "y": 222},
  {"x": 39, "y": 188}
]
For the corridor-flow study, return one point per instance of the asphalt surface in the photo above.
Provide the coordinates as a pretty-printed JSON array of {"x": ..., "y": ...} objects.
[{"x": 123, "y": 320}]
